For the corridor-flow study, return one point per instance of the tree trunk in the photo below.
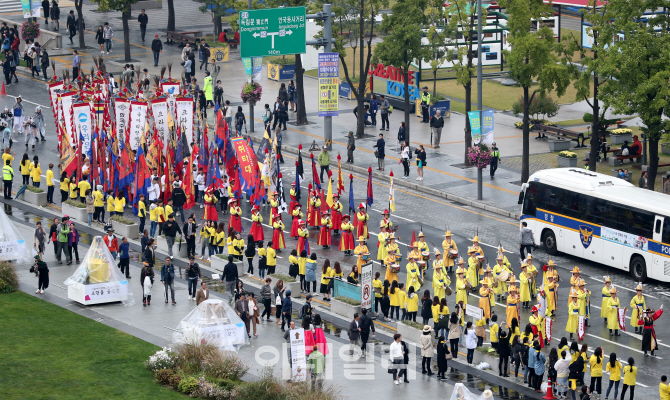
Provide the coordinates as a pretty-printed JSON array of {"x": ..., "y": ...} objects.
[
  {"x": 652, "y": 161},
  {"x": 468, "y": 129},
  {"x": 126, "y": 34},
  {"x": 171, "y": 23},
  {"x": 525, "y": 167},
  {"x": 301, "y": 114},
  {"x": 78, "y": 6},
  {"x": 435, "y": 82},
  {"x": 354, "y": 63},
  {"x": 218, "y": 27},
  {"x": 595, "y": 127}
]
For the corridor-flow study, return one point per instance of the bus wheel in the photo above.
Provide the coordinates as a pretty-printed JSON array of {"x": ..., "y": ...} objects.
[
  {"x": 638, "y": 268},
  {"x": 549, "y": 241}
]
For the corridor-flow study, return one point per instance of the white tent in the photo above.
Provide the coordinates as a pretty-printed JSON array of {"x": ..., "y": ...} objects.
[
  {"x": 98, "y": 279},
  {"x": 214, "y": 322},
  {"x": 13, "y": 246}
]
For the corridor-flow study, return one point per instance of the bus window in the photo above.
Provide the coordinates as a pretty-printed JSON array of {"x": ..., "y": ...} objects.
[
  {"x": 666, "y": 230},
  {"x": 550, "y": 198},
  {"x": 529, "y": 200}
]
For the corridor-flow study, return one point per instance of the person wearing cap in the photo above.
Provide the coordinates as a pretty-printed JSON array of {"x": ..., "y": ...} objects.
[
  {"x": 382, "y": 239},
  {"x": 413, "y": 275},
  {"x": 362, "y": 218},
  {"x": 584, "y": 301},
  {"x": 486, "y": 300},
  {"x": 637, "y": 304},
  {"x": 532, "y": 272},
  {"x": 425, "y": 103},
  {"x": 573, "y": 315},
  {"x": 297, "y": 217},
  {"x": 447, "y": 246},
  {"x": 347, "y": 239},
  {"x": 111, "y": 242},
  {"x": 606, "y": 295},
  {"x": 303, "y": 237},
  {"x": 235, "y": 220},
  {"x": 256, "y": 225},
  {"x": 495, "y": 157},
  {"x": 278, "y": 242},
  {"x": 167, "y": 279},
  {"x": 274, "y": 204},
  {"x": 314, "y": 209},
  {"x": 336, "y": 213},
  {"x": 649, "y": 341},
  {"x": 324, "y": 162},
  {"x": 549, "y": 270},
  {"x": 157, "y": 49},
  {"x": 524, "y": 289},
  {"x": 360, "y": 251},
  {"x": 391, "y": 261},
  {"x": 501, "y": 289},
  {"x": 324, "y": 231},
  {"x": 613, "y": 305},
  {"x": 147, "y": 281}
]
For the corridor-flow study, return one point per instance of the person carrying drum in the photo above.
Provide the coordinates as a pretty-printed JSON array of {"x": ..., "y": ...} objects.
[
  {"x": 450, "y": 252},
  {"x": 362, "y": 252},
  {"x": 413, "y": 274},
  {"x": 382, "y": 238}
]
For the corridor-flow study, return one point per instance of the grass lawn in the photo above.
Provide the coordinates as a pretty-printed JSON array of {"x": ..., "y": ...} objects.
[
  {"x": 570, "y": 122},
  {"x": 52, "y": 353}
]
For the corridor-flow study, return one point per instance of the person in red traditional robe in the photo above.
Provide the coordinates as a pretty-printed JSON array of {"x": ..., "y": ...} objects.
[
  {"x": 536, "y": 323},
  {"x": 235, "y": 220},
  {"x": 336, "y": 213},
  {"x": 278, "y": 242},
  {"x": 257, "y": 225},
  {"x": 210, "y": 205},
  {"x": 347, "y": 238},
  {"x": 314, "y": 213},
  {"x": 324, "y": 231},
  {"x": 303, "y": 237},
  {"x": 294, "y": 200},
  {"x": 297, "y": 216},
  {"x": 649, "y": 342},
  {"x": 362, "y": 222}
]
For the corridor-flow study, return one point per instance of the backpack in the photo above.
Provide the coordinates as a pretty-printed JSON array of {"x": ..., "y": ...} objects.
[
  {"x": 239, "y": 120},
  {"x": 625, "y": 152},
  {"x": 268, "y": 116}
]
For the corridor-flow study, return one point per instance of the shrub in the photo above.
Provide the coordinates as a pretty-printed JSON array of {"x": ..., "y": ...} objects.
[
  {"x": 543, "y": 106},
  {"x": 207, "y": 390},
  {"x": 34, "y": 189},
  {"x": 588, "y": 117},
  {"x": 162, "y": 359},
  {"x": 224, "y": 365},
  {"x": 479, "y": 156},
  {"x": 412, "y": 324},
  {"x": 226, "y": 384},
  {"x": 282, "y": 61},
  {"x": 188, "y": 385},
  {"x": 174, "y": 381},
  {"x": 122, "y": 220},
  {"x": 8, "y": 274},
  {"x": 75, "y": 203},
  {"x": 267, "y": 387},
  {"x": 489, "y": 351},
  {"x": 285, "y": 278},
  {"x": 349, "y": 301},
  {"x": 567, "y": 154},
  {"x": 191, "y": 355},
  {"x": 6, "y": 287},
  {"x": 164, "y": 375},
  {"x": 519, "y": 125}
]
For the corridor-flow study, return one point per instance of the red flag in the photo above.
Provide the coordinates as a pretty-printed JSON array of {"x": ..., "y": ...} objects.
[
  {"x": 340, "y": 181},
  {"x": 370, "y": 196},
  {"x": 315, "y": 176},
  {"x": 167, "y": 192},
  {"x": 188, "y": 181},
  {"x": 411, "y": 243}
]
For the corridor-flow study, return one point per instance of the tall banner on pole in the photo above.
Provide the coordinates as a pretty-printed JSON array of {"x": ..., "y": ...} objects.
[
  {"x": 122, "y": 111},
  {"x": 298, "y": 357},
  {"x": 83, "y": 125},
  {"x": 138, "y": 120},
  {"x": 184, "y": 108},
  {"x": 475, "y": 126},
  {"x": 329, "y": 80},
  {"x": 487, "y": 127},
  {"x": 66, "y": 109},
  {"x": 159, "y": 107}
]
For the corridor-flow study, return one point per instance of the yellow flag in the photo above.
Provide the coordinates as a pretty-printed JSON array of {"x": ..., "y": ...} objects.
[
  {"x": 170, "y": 121},
  {"x": 329, "y": 197},
  {"x": 391, "y": 196}
]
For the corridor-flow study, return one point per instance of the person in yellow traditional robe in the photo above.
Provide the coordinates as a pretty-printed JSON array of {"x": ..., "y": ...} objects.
[
  {"x": 501, "y": 289},
  {"x": 440, "y": 282},
  {"x": 551, "y": 271},
  {"x": 382, "y": 238},
  {"x": 552, "y": 296},
  {"x": 362, "y": 252},
  {"x": 606, "y": 298},
  {"x": 573, "y": 315},
  {"x": 461, "y": 292},
  {"x": 447, "y": 246},
  {"x": 512, "y": 309},
  {"x": 637, "y": 304},
  {"x": 413, "y": 275},
  {"x": 526, "y": 282},
  {"x": 584, "y": 301},
  {"x": 574, "y": 279},
  {"x": 532, "y": 273},
  {"x": 391, "y": 261},
  {"x": 613, "y": 318},
  {"x": 475, "y": 245},
  {"x": 474, "y": 267},
  {"x": 439, "y": 263},
  {"x": 421, "y": 243},
  {"x": 486, "y": 301}
]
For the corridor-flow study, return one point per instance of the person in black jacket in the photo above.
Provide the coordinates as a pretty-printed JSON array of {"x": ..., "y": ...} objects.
[
  {"x": 426, "y": 304},
  {"x": 504, "y": 352},
  {"x": 229, "y": 275},
  {"x": 44, "y": 62},
  {"x": 55, "y": 14},
  {"x": 100, "y": 38},
  {"x": 53, "y": 234},
  {"x": 143, "y": 19},
  {"x": 45, "y": 6},
  {"x": 157, "y": 49},
  {"x": 71, "y": 25},
  {"x": 381, "y": 147},
  {"x": 189, "y": 230},
  {"x": 193, "y": 273},
  {"x": 250, "y": 253},
  {"x": 178, "y": 200},
  {"x": 149, "y": 256},
  {"x": 170, "y": 229},
  {"x": 205, "y": 53},
  {"x": 442, "y": 351},
  {"x": 366, "y": 324},
  {"x": 436, "y": 125}
]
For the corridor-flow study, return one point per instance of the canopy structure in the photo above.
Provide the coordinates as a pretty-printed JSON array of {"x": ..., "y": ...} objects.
[
  {"x": 98, "y": 280},
  {"x": 214, "y": 322},
  {"x": 13, "y": 246}
]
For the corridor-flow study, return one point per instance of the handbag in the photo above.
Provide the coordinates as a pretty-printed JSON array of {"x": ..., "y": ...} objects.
[
  {"x": 448, "y": 356},
  {"x": 376, "y": 153},
  {"x": 392, "y": 370},
  {"x": 278, "y": 300}
]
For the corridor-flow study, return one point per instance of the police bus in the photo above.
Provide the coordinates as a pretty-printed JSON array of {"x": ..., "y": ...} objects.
[{"x": 600, "y": 218}]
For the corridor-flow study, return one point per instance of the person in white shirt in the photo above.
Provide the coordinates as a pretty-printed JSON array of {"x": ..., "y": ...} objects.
[
  {"x": 223, "y": 193},
  {"x": 229, "y": 114},
  {"x": 154, "y": 190},
  {"x": 200, "y": 181},
  {"x": 397, "y": 358},
  {"x": 470, "y": 341}
]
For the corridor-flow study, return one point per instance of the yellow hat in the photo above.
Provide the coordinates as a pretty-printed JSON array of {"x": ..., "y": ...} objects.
[
  {"x": 437, "y": 252},
  {"x": 362, "y": 239},
  {"x": 575, "y": 270},
  {"x": 530, "y": 257},
  {"x": 523, "y": 265},
  {"x": 392, "y": 236},
  {"x": 488, "y": 269},
  {"x": 460, "y": 270},
  {"x": 421, "y": 234},
  {"x": 501, "y": 249},
  {"x": 613, "y": 290},
  {"x": 512, "y": 288},
  {"x": 573, "y": 295},
  {"x": 475, "y": 239},
  {"x": 550, "y": 263},
  {"x": 500, "y": 257},
  {"x": 582, "y": 282},
  {"x": 382, "y": 224},
  {"x": 448, "y": 234},
  {"x": 608, "y": 279},
  {"x": 512, "y": 279},
  {"x": 471, "y": 250},
  {"x": 639, "y": 287},
  {"x": 460, "y": 261},
  {"x": 486, "y": 281}
]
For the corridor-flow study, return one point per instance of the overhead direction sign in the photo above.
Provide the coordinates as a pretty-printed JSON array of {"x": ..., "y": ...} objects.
[{"x": 272, "y": 32}]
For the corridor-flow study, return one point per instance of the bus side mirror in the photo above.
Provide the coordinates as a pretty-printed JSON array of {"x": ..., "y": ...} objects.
[{"x": 521, "y": 193}]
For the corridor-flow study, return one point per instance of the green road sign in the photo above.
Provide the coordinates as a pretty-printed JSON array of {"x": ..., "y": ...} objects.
[{"x": 272, "y": 32}]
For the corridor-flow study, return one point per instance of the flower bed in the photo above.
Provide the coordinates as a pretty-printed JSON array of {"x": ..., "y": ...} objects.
[
  {"x": 251, "y": 92},
  {"x": 349, "y": 301},
  {"x": 621, "y": 131},
  {"x": 567, "y": 154}
]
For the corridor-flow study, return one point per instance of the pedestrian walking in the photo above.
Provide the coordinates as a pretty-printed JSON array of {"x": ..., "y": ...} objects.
[
  {"x": 354, "y": 334},
  {"x": 351, "y": 146},
  {"x": 420, "y": 161},
  {"x": 46, "y": 9},
  {"x": 240, "y": 120},
  {"x": 73, "y": 242},
  {"x": 397, "y": 359},
  {"x": 436, "y": 125},
  {"x": 143, "y": 19},
  {"x": 17, "y": 109},
  {"x": 266, "y": 298},
  {"x": 540, "y": 360},
  {"x": 100, "y": 39},
  {"x": 286, "y": 310},
  {"x": 124, "y": 257},
  {"x": 380, "y": 153},
  {"x": 167, "y": 279},
  {"x": 55, "y": 14},
  {"x": 374, "y": 108},
  {"x": 41, "y": 271},
  {"x": 426, "y": 342},
  {"x": 108, "y": 33},
  {"x": 147, "y": 281},
  {"x": 53, "y": 234},
  {"x": 112, "y": 243},
  {"x": 278, "y": 296},
  {"x": 71, "y": 25},
  {"x": 205, "y": 54},
  {"x": 208, "y": 90},
  {"x": 189, "y": 230},
  {"x": 75, "y": 65},
  {"x": 39, "y": 237},
  {"x": 317, "y": 366},
  {"x": 324, "y": 162},
  {"x": 38, "y": 120},
  {"x": 193, "y": 273},
  {"x": 454, "y": 333},
  {"x": 366, "y": 325},
  {"x": 526, "y": 240},
  {"x": 495, "y": 158},
  {"x": 470, "y": 341},
  {"x": 384, "y": 110},
  {"x": 202, "y": 295},
  {"x": 63, "y": 232},
  {"x": 170, "y": 229},
  {"x": 157, "y": 49}
]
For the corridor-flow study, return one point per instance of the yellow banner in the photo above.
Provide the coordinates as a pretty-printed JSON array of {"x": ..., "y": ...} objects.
[{"x": 220, "y": 54}]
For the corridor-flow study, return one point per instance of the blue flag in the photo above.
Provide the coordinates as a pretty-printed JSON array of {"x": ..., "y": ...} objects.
[{"x": 352, "y": 206}]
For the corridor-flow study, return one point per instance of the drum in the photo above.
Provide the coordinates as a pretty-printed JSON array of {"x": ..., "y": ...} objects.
[
  {"x": 365, "y": 257},
  {"x": 421, "y": 264},
  {"x": 425, "y": 255},
  {"x": 447, "y": 291},
  {"x": 453, "y": 254},
  {"x": 503, "y": 276},
  {"x": 395, "y": 268}
]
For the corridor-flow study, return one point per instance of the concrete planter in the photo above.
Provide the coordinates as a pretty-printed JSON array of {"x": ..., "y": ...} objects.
[
  {"x": 619, "y": 139},
  {"x": 566, "y": 162},
  {"x": 408, "y": 333},
  {"x": 161, "y": 244},
  {"x": 559, "y": 145},
  {"x": 294, "y": 287},
  {"x": 343, "y": 309},
  {"x": 129, "y": 231},
  {"x": 38, "y": 199},
  {"x": 480, "y": 357},
  {"x": 76, "y": 213}
]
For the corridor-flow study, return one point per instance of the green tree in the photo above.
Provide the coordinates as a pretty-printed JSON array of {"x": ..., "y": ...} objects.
[
  {"x": 641, "y": 64},
  {"x": 591, "y": 70},
  {"x": 437, "y": 53},
  {"x": 124, "y": 7},
  {"x": 403, "y": 44},
  {"x": 217, "y": 9},
  {"x": 463, "y": 32},
  {"x": 531, "y": 60}
]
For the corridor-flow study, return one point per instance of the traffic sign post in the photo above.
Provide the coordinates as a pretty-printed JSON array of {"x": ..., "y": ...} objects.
[{"x": 272, "y": 32}]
